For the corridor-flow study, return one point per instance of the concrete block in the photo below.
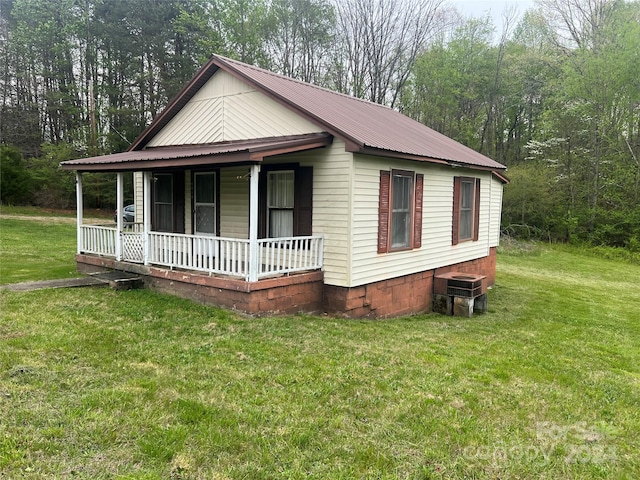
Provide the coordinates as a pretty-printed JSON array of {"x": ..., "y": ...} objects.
[
  {"x": 481, "y": 304},
  {"x": 463, "y": 306},
  {"x": 442, "y": 304}
]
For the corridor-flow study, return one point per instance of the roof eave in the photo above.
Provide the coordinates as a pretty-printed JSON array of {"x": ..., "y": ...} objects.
[
  {"x": 250, "y": 152},
  {"x": 419, "y": 158},
  {"x": 500, "y": 176}
]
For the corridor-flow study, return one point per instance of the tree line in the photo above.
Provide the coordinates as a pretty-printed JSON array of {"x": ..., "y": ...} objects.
[{"x": 555, "y": 95}]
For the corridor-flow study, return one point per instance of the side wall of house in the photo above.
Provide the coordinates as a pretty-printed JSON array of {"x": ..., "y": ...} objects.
[
  {"x": 496, "y": 211},
  {"x": 332, "y": 196},
  {"x": 437, "y": 249}
]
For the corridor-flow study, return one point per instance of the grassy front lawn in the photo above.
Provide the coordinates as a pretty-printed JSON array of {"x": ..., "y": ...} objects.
[
  {"x": 36, "y": 250},
  {"x": 132, "y": 384}
]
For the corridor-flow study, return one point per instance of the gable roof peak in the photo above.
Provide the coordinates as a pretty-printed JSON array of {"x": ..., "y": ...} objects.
[{"x": 365, "y": 127}]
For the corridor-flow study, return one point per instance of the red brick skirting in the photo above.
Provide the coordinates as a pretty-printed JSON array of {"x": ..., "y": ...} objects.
[
  {"x": 282, "y": 295},
  {"x": 402, "y": 295},
  {"x": 303, "y": 292}
]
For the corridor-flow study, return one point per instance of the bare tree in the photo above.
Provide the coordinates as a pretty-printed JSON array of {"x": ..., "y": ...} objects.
[
  {"x": 300, "y": 37},
  {"x": 577, "y": 22},
  {"x": 379, "y": 42}
]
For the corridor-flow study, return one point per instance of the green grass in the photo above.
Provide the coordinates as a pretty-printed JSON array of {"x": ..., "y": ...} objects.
[
  {"x": 97, "y": 383},
  {"x": 36, "y": 250}
]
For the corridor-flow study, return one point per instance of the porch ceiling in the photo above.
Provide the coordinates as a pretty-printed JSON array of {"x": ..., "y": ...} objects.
[{"x": 185, "y": 156}]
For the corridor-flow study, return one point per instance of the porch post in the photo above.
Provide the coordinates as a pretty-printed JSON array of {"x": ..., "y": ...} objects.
[
  {"x": 79, "y": 208},
  {"x": 253, "y": 223},
  {"x": 146, "y": 205},
  {"x": 119, "y": 201}
]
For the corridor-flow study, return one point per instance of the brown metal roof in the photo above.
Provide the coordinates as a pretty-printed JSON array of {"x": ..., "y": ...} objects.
[
  {"x": 368, "y": 127},
  {"x": 248, "y": 151}
]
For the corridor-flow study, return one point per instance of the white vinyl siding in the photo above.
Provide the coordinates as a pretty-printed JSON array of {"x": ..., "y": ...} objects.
[
  {"x": 234, "y": 202},
  {"x": 138, "y": 196},
  {"x": 496, "y": 211},
  {"x": 437, "y": 250},
  {"x": 227, "y": 109},
  {"x": 332, "y": 197}
]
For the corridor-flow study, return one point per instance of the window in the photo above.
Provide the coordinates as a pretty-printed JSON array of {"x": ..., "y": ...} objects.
[
  {"x": 205, "y": 203},
  {"x": 280, "y": 195},
  {"x": 400, "y": 211},
  {"x": 466, "y": 209},
  {"x": 285, "y": 201}
]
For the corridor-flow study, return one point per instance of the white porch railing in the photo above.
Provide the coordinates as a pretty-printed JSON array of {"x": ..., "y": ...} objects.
[
  {"x": 228, "y": 256},
  {"x": 98, "y": 239},
  {"x": 290, "y": 254},
  {"x": 214, "y": 255}
]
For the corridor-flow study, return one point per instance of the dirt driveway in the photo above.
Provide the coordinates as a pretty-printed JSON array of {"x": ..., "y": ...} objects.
[{"x": 45, "y": 219}]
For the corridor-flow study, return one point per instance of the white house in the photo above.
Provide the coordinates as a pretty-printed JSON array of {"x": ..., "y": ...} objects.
[{"x": 269, "y": 195}]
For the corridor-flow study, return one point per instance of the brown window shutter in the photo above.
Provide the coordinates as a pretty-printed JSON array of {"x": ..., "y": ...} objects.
[
  {"x": 303, "y": 202},
  {"x": 383, "y": 212},
  {"x": 417, "y": 214},
  {"x": 262, "y": 203},
  {"x": 476, "y": 211},
  {"x": 455, "y": 235}
]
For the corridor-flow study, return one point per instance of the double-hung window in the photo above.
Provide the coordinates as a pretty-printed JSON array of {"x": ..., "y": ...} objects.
[
  {"x": 399, "y": 211},
  {"x": 280, "y": 198},
  {"x": 285, "y": 201},
  {"x": 466, "y": 209}
]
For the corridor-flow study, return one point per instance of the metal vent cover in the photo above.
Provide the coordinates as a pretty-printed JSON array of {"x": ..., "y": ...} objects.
[
  {"x": 459, "y": 284},
  {"x": 464, "y": 286}
]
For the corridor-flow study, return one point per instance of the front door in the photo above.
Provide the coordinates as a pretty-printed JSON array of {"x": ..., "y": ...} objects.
[
  {"x": 204, "y": 208},
  {"x": 168, "y": 202}
]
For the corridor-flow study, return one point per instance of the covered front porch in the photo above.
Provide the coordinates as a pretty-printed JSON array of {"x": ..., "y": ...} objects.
[
  {"x": 212, "y": 222},
  {"x": 250, "y": 259}
]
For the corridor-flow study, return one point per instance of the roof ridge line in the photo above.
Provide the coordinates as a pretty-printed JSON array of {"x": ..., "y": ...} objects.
[{"x": 306, "y": 84}]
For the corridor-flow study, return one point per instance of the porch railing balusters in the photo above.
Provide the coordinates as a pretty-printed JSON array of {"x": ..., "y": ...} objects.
[{"x": 214, "y": 255}]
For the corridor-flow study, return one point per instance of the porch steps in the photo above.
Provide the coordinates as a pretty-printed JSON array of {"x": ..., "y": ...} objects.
[{"x": 119, "y": 280}]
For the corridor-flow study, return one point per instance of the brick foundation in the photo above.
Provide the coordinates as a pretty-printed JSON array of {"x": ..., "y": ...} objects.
[
  {"x": 302, "y": 292},
  {"x": 283, "y": 295},
  {"x": 402, "y": 295}
]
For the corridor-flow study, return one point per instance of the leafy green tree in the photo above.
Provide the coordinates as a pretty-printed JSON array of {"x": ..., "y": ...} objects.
[
  {"x": 15, "y": 180},
  {"x": 451, "y": 81},
  {"x": 52, "y": 186}
]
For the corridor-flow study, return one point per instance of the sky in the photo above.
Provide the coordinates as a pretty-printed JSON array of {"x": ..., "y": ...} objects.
[{"x": 477, "y": 8}]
